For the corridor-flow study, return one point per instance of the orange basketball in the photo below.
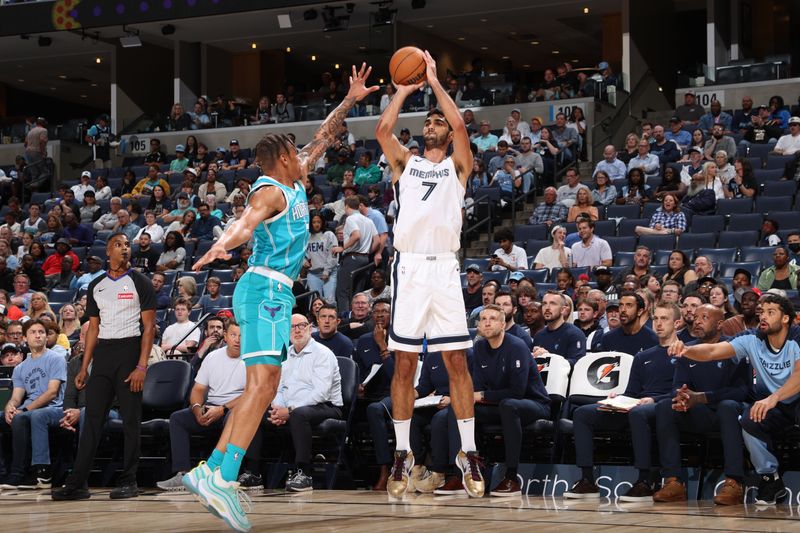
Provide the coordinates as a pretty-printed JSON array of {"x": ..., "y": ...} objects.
[{"x": 407, "y": 66}]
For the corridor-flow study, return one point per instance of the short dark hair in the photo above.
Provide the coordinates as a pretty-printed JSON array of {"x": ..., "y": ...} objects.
[
  {"x": 30, "y": 323},
  {"x": 504, "y": 234},
  {"x": 352, "y": 202},
  {"x": 640, "y": 303},
  {"x": 386, "y": 301},
  {"x": 784, "y": 303},
  {"x": 509, "y": 294},
  {"x": 587, "y": 221},
  {"x": 328, "y": 305},
  {"x": 695, "y": 294},
  {"x": 182, "y": 301},
  {"x": 440, "y": 113},
  {"x": 773, "y": 222},
  {"x": 588, "y": 301}
]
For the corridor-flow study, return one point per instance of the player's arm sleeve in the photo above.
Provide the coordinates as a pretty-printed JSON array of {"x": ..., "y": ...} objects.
[
  {"x": 634, "y": 388},
  {"x": 202, "y": 375},
  {"x": 736, "y": 389},
  {"x": 681, "y": 375},
  {"x": 91, "y": 303}
]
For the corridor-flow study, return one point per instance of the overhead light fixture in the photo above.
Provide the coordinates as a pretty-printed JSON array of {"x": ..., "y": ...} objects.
[
  {"x": 130, "y": 39},
  {"x": 313, "y": 58},
  {"x": 534, "y": 43},
  {"x": 284, "y": 21},
  {"x": 461, "y": 38},
  {"x": 84, "y": 96},
  {"x": 62, "y": 76},
  {"x": 556, "y": 52},
  {"x": 93, "y": 85},
  {"x": 484, "y": 47},
  {"x": 585, "y": 10},
  {"x": 253, "y": 46},
  {"x": 309, "y": 14},
  {"x": 332, "y": 21},
  {"x": 505, "y": 57},
  {"x": 98, "y": 60},
  {"x": 45, "y": 41},
  {"x": 21, "y": 80},
  {"x": 417, "y": 4},
  {"x": 167, "y": 29},
  {"x": 336, "y": 66},
  {"x": 576, "y": 60},
  {"x": 526, "y": 66},
  {"x": 288, "y": 49},
  {"x": 381, "y": 81}
]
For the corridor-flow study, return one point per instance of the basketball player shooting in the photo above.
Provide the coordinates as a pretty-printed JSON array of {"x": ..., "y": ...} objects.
[{"x": 427, "y": 301}]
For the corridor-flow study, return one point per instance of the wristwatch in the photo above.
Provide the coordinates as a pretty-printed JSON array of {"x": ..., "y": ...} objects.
[{"x": 24, "y": 409}]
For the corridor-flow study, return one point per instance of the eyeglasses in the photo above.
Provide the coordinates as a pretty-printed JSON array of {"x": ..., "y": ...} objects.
[{"x": 300, "y": 326}]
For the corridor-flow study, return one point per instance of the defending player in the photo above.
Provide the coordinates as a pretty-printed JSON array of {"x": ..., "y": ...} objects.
[
  {"x": 427, "y": 299},
  {"x": 277, "y": 217}
]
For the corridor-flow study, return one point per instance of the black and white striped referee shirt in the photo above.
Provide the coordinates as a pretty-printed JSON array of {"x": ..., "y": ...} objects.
[{"x": 119, "y": 303}]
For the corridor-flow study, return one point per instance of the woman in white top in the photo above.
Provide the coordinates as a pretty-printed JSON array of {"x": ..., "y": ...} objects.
[
  {"x": 711, "y": 172},
  {"x": 101, "y": 189},
  {"x": 24, "y": 248},
  {"x": 557, "y": 255},
  {"x": 725, "y": 170},
  {"x": 155, "y": 231},
  {"x": 387, "y": 96},
  {"x": 321, "y": 263}
]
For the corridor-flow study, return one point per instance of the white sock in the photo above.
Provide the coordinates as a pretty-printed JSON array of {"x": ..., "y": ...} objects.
[
  {"x": 402, "y": 431},
  {"x": 466, "y": 430}
]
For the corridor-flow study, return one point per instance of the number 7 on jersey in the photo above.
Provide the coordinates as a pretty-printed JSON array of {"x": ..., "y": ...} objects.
[{"x": 430, "y": 185}]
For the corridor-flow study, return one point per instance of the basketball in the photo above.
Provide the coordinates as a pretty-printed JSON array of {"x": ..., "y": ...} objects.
[{"x": 407, "y": 66}]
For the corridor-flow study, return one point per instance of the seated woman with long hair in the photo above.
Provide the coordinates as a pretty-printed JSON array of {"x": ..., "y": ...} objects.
[
  {"x": 583, "y": 204},
  {"x": 679, "y": 269},
  {"x": 667, "y": 220}
]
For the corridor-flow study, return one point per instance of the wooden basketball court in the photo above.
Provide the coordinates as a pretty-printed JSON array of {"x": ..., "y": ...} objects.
[{"x": 356, "y": 511}]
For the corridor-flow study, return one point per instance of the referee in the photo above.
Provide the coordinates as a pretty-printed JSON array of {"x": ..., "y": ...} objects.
[{"x": 118, "y": 346}]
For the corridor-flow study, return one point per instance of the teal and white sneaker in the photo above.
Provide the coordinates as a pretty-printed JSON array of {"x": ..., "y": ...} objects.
[
  {"x": 191, "y": 480},
  {"x": 225, "y": 497}
]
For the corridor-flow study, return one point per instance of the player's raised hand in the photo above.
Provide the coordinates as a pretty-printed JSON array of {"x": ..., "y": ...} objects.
[
  {"x": 358, "y": 83},
  {"x": 676, "y": 349},
  {"x": 430, "y": 70},
  {"x": 214, "y": 253}
]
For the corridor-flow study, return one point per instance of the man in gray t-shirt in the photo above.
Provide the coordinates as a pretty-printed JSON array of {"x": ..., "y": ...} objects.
[
  {"x": 360, "y": 238},
  {"x": 528, "y": 163}
]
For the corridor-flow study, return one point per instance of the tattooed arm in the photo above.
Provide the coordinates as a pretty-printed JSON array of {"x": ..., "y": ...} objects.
[{"x": 326, "y": 133}]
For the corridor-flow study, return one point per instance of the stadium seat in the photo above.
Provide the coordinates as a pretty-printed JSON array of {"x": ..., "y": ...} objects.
[
  {"x": 525, "y": 232},
  {"x": 775, "y": 162},
  {"x": 62, "y": 295},
  {"x": 661, "y": 257},
  {"x": 658, "y": 242},
  {"x": 226, "y": 288},
  {"x": 780, "y": 188},
  {"x": 719, "y": 255},
  {"x": 248, "y": 173},
  {"x": 786, "y": 219},
  {"x": 745, "y": 221},
  {"x": 756, "y": 253},
  {"x": 482, "y": 262},
  {"x": 707, "y": 224},
  {"x": 623, "y": 259},
  {"x": 757, "y": 150},
  {"x": 734, "y": 206},
  {"x": 732, "y": 239},
  {"x": 650, "y": 208},
  {"x": 622, "y": 211},
  {"x": 605, "y": 228},
  {"x": 728, "y": 269},
  {"x": 533, "y": 246},
  {"x": 538, "y": 275},
  {"x": 498, "y": 275},
  {"x": 223, "y": 275},
  {"x": 764, "y": 175},
  {"x": 199, "y": 277},
  {"x": 622, "y": 243},
  {"x": 627, "y": 227},
  {"x": 659, "y": 270},
  {"x": 692, "y": 241},
  {"x": 775, "y": 202}
]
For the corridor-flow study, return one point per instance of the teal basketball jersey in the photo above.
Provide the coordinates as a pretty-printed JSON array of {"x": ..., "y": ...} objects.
[{"x": 280, "y": 242}]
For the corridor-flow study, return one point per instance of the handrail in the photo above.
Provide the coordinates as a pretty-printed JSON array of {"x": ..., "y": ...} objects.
[
  {"x": 359, "y": 270},
  {"x": 480, "y": 223},
  {"x": 610, "y": 125}
]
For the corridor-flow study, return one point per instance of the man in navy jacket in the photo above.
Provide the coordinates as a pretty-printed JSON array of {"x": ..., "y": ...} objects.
[
  {"x": 650, "y": 381},
  {"x": 708, "y": 397},
  {"x": 558, "y": 336}
]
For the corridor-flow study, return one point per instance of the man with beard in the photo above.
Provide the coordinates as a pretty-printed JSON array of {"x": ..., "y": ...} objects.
[
  {"x": 632, "y": 336},
  {"x": 532, "y": 317},
  {"x": 588, "y": 323},
  {"x": 691, "y": 302},
  {"x": 773, "y": 353},
  {"x": 508, "y": 303},
  {"x": 667, "y": 151},
  {"x": 719, "y": 141},
  {"x": 715, "y": 117},
  {"x": 650, "y": 381},
  {"x": 488, "y": 293},
  {"x": 703, "y": 267},
  {"x": 640, "y": 267},
  {"x": 700, "y": 198},
  {"x": 558, "y": 337},
  {"x": 709, "y": 397},
  {"x": 529, "y": 164},
  {"x": 748, "y": 318}
]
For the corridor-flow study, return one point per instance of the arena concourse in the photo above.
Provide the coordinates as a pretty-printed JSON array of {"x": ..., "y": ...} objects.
[{"x": 630, "y": 236}]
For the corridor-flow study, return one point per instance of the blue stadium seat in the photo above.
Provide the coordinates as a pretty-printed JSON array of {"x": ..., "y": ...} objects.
[
  {"x": 605, "y": 228},
  {"x": 482, "y": 262},
  {"x": 536, "y": 275},
  {"x": 786, "y": 219},
  {"x": 622, "y": 211},
  {"x": 661, "y": 257},
  {"x": 226, "y": 288},
  {"x": 650, "y": 208},
  {"x": 707, "y": 224},
  {"x": 728, "y": 269},
  {"x": 733, "y": 239},
  {"x": 62, "y": 295},
  {"x": 199, "y": 277},
  {"x": 757, "y": 150},
  {"x": 692, "y": 241},
  {"x": 248, "y": 174},
  {"x": 223, "y": 275},
  {"x": 627, "y": 227},
  {"x": 719, "y": 255},
  {"x": 533, "y": 246},
  {"x": 622, "y": 243},
  {"x": 500, "y": 276},
  {"x": 756, "y": 253},
  {"x": 734, "y": 206},
  {"x": 623, "y": 259},
  {"x": 775, "y": 202},
  {"x": 659, "y": 270},
  {"x": 764, "y": 175},
  {"x": 780, "y": 188},
  {"x": 658, "y": 242},
  {"x": 745, "y": 221},
  {"x": 775, "y": 162},
  {"x": 524, "y": 232}
]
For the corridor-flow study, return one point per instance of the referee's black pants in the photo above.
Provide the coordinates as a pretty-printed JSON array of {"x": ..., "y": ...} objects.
[{"x": 113, "y": 361}]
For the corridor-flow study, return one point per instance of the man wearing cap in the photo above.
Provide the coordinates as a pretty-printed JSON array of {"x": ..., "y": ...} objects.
[
  {"x": 690, "y": 112},
  {"x": 99, "y": 136},
  {"x": 52, "y": 265},
  {"x": 789, "y": 144},
  {"x": 367, "y": 172},
  {"x": 676, "y": 133},
  {"x": 179, "y": 164},
  {"x": 604, "y": 279},
  {"x": 335, "y": 172},
  {"x": 523, "y": 127},
  {"x": 747, "y": 299},
  {"x": 235, "y": 160},
  {"x": 485, "y": 140},
  {"x": 715, "y": 116},
  {"x": 612, "y": 166},
  {"x": 184, "y": 204},
  {"x": 473, "y": 289},
  {"x": 144, "y": 187},
  {"x": 212, "y": 186},
  {"x": 77, "y": 234},
  {"x": 10, "y": 355},
  {"x": 83, "y": 186},
  {"x": 95, "y": 271}
]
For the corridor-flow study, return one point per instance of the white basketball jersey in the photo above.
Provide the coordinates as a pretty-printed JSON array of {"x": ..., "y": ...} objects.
[{"x": 429, "y": 197}]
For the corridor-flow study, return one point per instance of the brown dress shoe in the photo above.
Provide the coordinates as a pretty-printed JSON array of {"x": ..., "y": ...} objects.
[
  {"x": 507, "y": 487},
  {"x": 672, "y": 491},
  {"x": 731, "y": 493},
  {"x": 383, "y": 478},
  {"x": 453, "y": 486}
]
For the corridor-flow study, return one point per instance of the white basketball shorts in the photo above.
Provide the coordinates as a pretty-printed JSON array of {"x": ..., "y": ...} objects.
[{"x": 427, "y": 303}]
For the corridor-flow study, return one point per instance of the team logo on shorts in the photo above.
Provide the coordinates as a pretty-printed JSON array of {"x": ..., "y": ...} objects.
[{"x": 272, "y": 310}]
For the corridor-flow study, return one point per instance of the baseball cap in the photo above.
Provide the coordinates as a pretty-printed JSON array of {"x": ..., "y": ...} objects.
[
  {"x": 234, "y": 141},
  {"x": 743, "y": 271},
  {"x": 220, "y": 149},
  {"x": 690, "y": 91},
  {"x": 602, "y": 270},
  {"x": 777, "y": 292},
  {"x": 94, "y": 258},
  {"x": 88, "y": 193},
  {"x": 516, "y": 276},
  {"x": 86, "y": 174},
  {"x": 180, "y": 148},
  {"x": 602, "y": 65},
  {"x": 706, "y": 279},
  {"x": 740, "y": 292},
  {"x": 675, "y": 119},
  {"x": 763, "y": 106},
  {"x": 190, "y": 170},
  {"x": 695, "y": 149},
  {"x": 612, "y": 303},
  {"x": 473, "y": 267},
  {"x": 9, "y": 347},
  {"x": 584, "y": 277},
  {"x": 794, "y": 120},
  {"x": 182, "y": 196},
  {"x": 412, "y": 144},
  {"x": 344, "y": 152},
  {"x": 62, "y": 240},
  {"x": 405, "y": 130},
  {"x": 517, "y": 110}
]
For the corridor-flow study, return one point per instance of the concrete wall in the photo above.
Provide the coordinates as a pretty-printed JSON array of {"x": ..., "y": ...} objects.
[{"x": 731, "y": 95}]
